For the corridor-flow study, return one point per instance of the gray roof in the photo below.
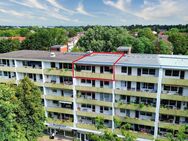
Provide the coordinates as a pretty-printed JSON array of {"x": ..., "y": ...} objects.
[
  {"x": 142, "y": 60},
  {"x": 139, "y": 59},
  {"x": 41, "y": 55},
  {"x": 100, "y": 59},
  {"x": 56, "y": 46}
]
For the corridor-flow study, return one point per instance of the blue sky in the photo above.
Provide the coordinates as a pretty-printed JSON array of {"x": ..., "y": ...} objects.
[{"x": 92, "y": 12}]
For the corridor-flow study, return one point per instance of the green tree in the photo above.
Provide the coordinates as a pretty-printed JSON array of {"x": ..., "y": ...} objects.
[
  {"x": 147, "y": 32},
  {"x": 7, "y": 45},
  {"x": 43, "y": 39},
  {"x": 179, "y": 42},
  {"x": 99, "y": 122},
  {"x": 105, "y": 39},
  {"x": 30, "y": 113},
  {"x": 10, "y": 130},
  {"x": 149, "y": 45},
  {"x": 164, "y": 47},
  {"x": 138, "y": 46}
]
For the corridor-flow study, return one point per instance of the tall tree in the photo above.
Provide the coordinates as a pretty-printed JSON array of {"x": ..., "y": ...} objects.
[
  {"x": 9, "y": 45},
  {"x": 10, "y": 130},
  {"x": 30, "y": 114}
]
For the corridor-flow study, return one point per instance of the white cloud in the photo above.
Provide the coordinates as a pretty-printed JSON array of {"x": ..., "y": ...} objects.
[
  {"x": 30, "y": 3},
  {"x": 165, "y": 8},
  {"x": 59, "y": 6},
  {"x": 15, "y": 13},
  {"x": 119, "y": 4},
  {"x": 80, "y": 9}
]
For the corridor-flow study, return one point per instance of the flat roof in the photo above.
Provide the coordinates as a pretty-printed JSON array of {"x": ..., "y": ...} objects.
[
  {"x": 141, "y": 60},
  {"x": 100, "y": 59},
  {"x": 41, "y": 55}
]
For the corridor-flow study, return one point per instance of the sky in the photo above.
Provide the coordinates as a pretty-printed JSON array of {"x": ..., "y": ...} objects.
[{"x": 92, "y": 12}]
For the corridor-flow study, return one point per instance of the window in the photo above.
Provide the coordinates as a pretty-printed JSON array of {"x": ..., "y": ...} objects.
[
  {"x": 40, "y": 76},
  {"x": 172, "y": 73},
  {"x": 122, "y": 110},
  {"x": 106, "y": 108},
  {"x": 106, "y": 68},
  {"x": 168, "y": 72},
  {"x": 83, "y": 81},
  {"x": 85, "y": 67},
  {"x": 54, "y": 90},
  {"x": 144, "y": 71},
  {"x": 123, "y": 83},
  {"x": 175, "y": 73},
  {"x": 148, "y": 85},
  {"x": 88, "y": 67},
  {"x": 88, "y": 81},
  {"x": 123, "y": 69},
  {"x": 106, "y": 83},
  {"x": 1, "y": 74},
  {"x": 55, "y": 102},
  {"x": 52, "y": 64},
  {"x": 152, "y": 71},
  {"x": 167, "y": 88},
  {"x": 148, "y": 71},
  {"x": 5, "y": 73}
]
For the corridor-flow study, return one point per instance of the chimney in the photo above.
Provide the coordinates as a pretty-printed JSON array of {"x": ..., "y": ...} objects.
[{"x": 124, "y": 49}]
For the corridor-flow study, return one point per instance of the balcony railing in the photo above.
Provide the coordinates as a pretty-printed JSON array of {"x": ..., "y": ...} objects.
[
  {"x": 28, "y": 69},
  {"x": 8, "y": 81},
  {"x": 136, "y": 121},
  {"x": 59, "y": 98},
  {"x": 59, "y": 110},
  {"x": 173, "y": 81},
  {"x": 136, "y": 93},
  {"x": 58, "y": 85},
  {"x": 94, "y": 102},
  {"x": 60, "y": 122},
  {"x": 174, "y": 97},
  {"x": 174, "y": 112},
  {"x": 139, "y": 107},
  {"x": 7, "y": 68},
  {"x": 169, "y": 126},
  {"x": 149, "y": 79},
  {"x": 93, "y": 114},
  {"x": 93, "y": 75},
  {"x": 94, "y": 89},
  {"x": 59, "y": 72}
]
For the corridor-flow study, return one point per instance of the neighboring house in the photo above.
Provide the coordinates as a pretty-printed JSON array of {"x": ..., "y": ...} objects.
[
  {"x": 59, "y": 48},
  {"x": 148, "y": 91},
  {"x": 162, "y": 36},
  {"x": 21, "y": 39}
]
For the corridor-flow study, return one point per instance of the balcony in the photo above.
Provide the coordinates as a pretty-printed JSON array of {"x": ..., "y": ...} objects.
[
  {"x": 174, "y": 97},
  {"x": 90, "y": 127},
  {"x": 59, "y": 98},
  {"x": 93, "y": 89},
  {"x": 138, "y": 107},
  {"x": 59, "y": 72},
  {"x": 93, "y": 114},
  {"x": 169, "y": 126},
  {"x": 94, "y": 102},
  {"x": 142, "y": 135},
  {"x": 174, "y": 112},
  {"x": 93, "y": 75},
  {"x": 28, "y": 69},
  {"x": 136, "y": 93},
  {"x": 60, "y": 122},
  {"x": 149, "y": 79},
  {"x": 8, "y": 81},
  {"x": 59, "y": 110},
  {"x": 174, "y": 81},
  {"x": 136, "y": 121},
  {"x": 58, "y": 86},
  {"x": 86, "y": 126},
  {"x": 6, "y": 68},
  {"x": 39, "y": 84}
]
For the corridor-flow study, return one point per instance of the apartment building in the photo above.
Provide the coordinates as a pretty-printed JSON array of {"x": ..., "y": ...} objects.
[{"x": 150, "y": 92}]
